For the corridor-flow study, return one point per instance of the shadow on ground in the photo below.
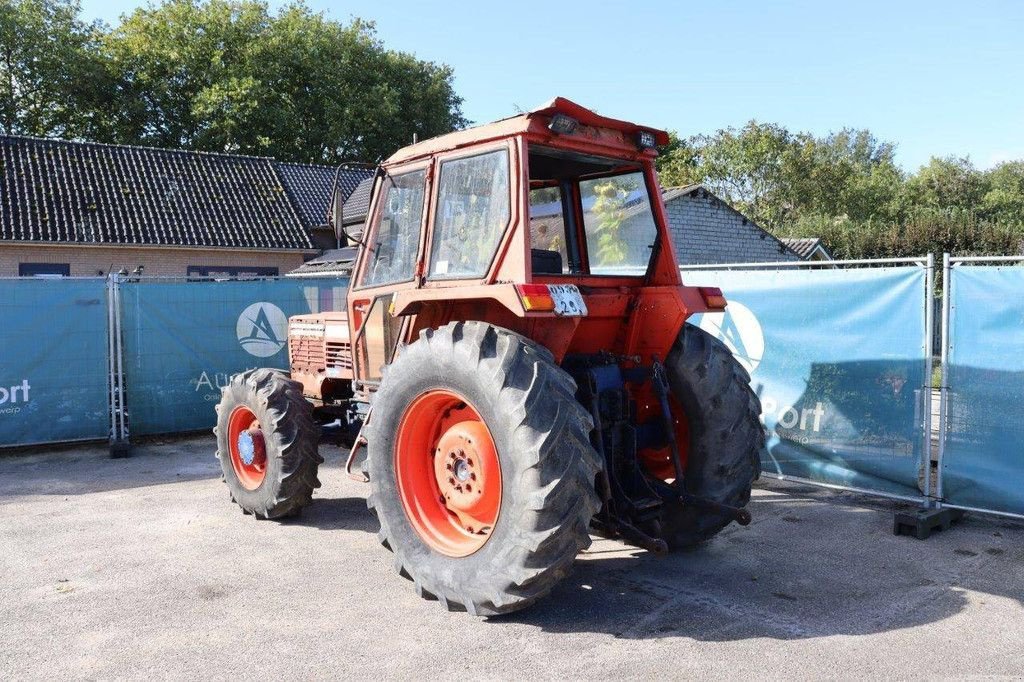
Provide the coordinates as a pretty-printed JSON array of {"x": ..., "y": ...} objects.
[
  {"x": 812, "y": 565},
  {"x": 339, "y": 513},
  {"x": 82, "y": 469}
]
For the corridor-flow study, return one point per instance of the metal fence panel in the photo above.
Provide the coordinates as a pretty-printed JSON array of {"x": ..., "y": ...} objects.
[
  {"x": 982, "y": 457},
  {"x": 54, "y": 372},
  {"x": 183, "y": 340},
  {"x": 839, "y": 358}
]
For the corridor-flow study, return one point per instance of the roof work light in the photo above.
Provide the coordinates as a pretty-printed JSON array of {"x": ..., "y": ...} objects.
[
  {"x": 645, "y": 140},
  {"x": 562, "y": 124}
]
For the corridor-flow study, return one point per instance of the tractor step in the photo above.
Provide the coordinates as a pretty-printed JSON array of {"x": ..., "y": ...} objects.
[{"x": 920, "y": 523}]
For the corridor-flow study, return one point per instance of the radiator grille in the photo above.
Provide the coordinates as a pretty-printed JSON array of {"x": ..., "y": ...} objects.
[
  {"x": 307, "y": 352},
  {"x": 339, "y": 355}
]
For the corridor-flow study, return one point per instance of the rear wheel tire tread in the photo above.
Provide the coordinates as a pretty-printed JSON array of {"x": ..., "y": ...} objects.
[
  {"x": 547, "y": 502},
  {"x": 726, "y": 436}
]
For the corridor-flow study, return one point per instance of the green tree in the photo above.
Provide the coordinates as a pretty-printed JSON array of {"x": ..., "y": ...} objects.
[
  {"x": 228, "y": 75},
  {"x": 609, "y": 209},
  {"x": 948, "y": 183},
  {"x": 776, "y": 176},
  {"x": 1004, "y": 199},
  {"x": 53, "y": 78}
]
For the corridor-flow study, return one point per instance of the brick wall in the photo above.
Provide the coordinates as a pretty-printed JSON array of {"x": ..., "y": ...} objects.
[
  {"x": 87, "y": 261},
  {"x": 706, "y": 230}
]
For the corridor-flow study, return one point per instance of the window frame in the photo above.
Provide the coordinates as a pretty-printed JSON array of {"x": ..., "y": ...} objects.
[
  {"x": 234, "y": 271},
  {"x": 26, "y": 269},
  {"x": 575, "y": 206},
  {"x": 373, "y": 225},
  {"x": 573, "y": 259},
  {"x": 514, "y": 208},
  {"x": 584, "y": 243}
]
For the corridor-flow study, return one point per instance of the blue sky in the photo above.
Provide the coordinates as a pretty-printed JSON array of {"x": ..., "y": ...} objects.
[{"x": 937, "y": 78}]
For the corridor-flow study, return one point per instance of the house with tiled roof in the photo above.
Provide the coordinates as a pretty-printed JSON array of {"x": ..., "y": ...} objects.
[
  {"x": 808, "y": 248},
  {"x": 311, "y": 186},
  {"x": 706, "y": 229},
  {"x": 86, "y": 209}
]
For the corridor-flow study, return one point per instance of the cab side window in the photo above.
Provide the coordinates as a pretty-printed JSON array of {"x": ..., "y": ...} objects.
[
  {"x": 472, "y": 213},
  {"x": 396, "y": 241}
]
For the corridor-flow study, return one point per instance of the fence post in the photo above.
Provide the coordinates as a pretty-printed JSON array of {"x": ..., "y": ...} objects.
[
  {"x": 947, "y": 287},
  {"x": 929, "y": 336},
  {"x": 119, "y": 444}
]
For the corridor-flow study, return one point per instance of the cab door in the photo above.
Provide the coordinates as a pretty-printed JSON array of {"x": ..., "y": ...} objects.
[{"x": 390, "y": 261}]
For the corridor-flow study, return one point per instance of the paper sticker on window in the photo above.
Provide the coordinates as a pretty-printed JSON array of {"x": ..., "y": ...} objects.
[{"x": 441, "y": 267}]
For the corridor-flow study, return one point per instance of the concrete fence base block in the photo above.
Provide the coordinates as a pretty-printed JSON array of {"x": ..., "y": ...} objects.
[
  {"x": 921, "y": 523},
  {"x": 120, "y": 449}
]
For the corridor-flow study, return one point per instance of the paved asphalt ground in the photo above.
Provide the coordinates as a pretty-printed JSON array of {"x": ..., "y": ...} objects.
[{"x": 143, "y": 568}]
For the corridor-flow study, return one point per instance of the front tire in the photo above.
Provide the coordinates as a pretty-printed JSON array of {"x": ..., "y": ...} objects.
[
  {"x": 267, "y": 443},
  {"x": 439, "y": 403}
]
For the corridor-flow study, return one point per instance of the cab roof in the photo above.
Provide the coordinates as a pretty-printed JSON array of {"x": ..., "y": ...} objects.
[{"x": 534, "y": 121}]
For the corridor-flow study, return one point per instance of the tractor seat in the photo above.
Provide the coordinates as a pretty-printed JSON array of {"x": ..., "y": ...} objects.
[{"x": 546, "y": 262}]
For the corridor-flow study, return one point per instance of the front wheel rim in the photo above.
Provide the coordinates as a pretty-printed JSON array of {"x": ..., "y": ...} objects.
[
  {"x": 448, "y": 473},
  {"x": 247, "y": 448}
]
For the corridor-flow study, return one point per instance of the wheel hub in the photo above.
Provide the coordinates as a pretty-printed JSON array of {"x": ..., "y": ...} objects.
[
  {"x": 248, "y": 450},
  {"x": 448, "y": 473},
  {"x": 463, "y": 464},
  {"x": 251, "y": 447},
  {"x": 462, "y": 471}
]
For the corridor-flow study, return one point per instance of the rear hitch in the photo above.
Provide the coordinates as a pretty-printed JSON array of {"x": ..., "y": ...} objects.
[
  {"x": 634, "y": 536},
  {"x": 738, "y": 514}
]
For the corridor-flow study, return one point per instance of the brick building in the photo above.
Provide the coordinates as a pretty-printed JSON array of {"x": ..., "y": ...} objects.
[
  {"x": 85, "y": 209},
  {"x": 705, "y": 229}
]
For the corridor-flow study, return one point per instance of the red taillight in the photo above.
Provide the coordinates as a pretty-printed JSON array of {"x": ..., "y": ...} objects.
[
  {"x": 535, "y": 297},
  {"x": 713, "y": 297}
]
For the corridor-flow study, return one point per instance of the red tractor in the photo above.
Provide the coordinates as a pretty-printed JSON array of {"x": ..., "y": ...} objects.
[{"x": 515, "y": 364}]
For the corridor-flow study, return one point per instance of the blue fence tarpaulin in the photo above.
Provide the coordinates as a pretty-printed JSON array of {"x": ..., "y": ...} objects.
[
  {"x": 183, "y": 341},
  {"x": 54, "y": 380},
  {"x": 983, "y": 456},
  {"x": 838, "y": 358}
]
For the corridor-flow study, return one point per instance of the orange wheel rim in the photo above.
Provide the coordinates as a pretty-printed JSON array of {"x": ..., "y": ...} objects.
[
  {"x": 448, "y": 473},
  {"x": 247, "y": 448},
  {"x": 658, "y": 461}
]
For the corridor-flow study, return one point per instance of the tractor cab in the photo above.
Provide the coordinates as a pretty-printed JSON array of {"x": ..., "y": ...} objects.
[{"x": 549, "y": 223}]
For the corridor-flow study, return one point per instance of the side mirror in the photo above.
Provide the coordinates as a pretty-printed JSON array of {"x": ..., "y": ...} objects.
[
  {"x": 336, "y": 210},
  {"x": 338, "y": 217}
]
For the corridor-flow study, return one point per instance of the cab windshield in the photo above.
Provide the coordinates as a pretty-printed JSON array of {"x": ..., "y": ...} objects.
[{"x": 589, "y": 215}]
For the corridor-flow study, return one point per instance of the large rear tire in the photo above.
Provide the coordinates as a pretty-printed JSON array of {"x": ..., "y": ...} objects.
[
  {"x": 725, "y": 435},
  {"x": 267, "y": 443},
  {"x": 471, "y": 404}
]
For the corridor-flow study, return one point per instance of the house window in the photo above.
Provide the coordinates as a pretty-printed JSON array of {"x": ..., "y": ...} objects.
[
  {"x": 225, "y": 272},
  {"x": 44, "y": 270}
]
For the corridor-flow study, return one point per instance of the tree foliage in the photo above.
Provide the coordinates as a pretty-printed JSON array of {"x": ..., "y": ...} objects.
[
  {"x": 224, "y": 75},
  {"x": 846, "y": 188},
  {"x": 52, "y": 77}
]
